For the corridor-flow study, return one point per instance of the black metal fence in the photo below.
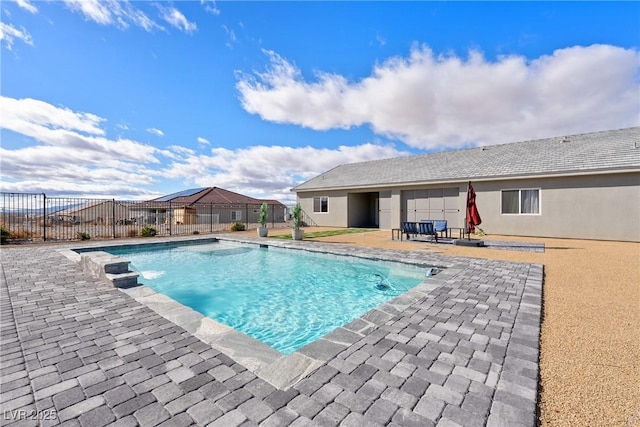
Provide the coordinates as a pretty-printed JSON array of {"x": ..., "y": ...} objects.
[{"x": 26, "y": 217}]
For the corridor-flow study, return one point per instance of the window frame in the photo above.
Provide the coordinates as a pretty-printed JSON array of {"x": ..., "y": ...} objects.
[
  {"x": 520, "y": 190},
  {"x": 236, "y": 213},
  {"x": 326, "y": 199}
]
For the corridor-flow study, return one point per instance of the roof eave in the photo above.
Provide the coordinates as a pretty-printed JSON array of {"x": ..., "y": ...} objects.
[{"x": 475, "y": 179}]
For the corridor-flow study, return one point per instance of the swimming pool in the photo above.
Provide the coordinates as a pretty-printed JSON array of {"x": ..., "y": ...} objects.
[{"x": 282, "y": 297}]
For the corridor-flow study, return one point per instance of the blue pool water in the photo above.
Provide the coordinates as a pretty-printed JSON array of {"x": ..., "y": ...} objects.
[{"x": 284, "y": 298}]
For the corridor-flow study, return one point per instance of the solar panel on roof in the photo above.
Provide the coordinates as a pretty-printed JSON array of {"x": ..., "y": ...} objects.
[{"x": 183, "y": 193}]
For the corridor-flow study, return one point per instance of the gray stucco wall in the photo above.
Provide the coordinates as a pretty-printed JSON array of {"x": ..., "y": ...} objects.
[
  {"x": 599, "y": 207},
  {"x": 338, "y": 205}
]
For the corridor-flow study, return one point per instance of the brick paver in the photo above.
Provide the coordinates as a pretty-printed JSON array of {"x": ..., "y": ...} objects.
[{"x": 87, "y": 354}]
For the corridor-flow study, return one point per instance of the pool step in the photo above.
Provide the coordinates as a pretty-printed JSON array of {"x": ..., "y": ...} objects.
[
  {"x": 123, "y": 280},
  {"x": 109, "y": 268}
]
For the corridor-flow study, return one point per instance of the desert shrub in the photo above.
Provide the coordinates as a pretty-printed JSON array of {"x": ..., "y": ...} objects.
[
  {"x": 148, "y": 231},
  {"x": 196, "y": 232},
  {"x": 21, "y": 235},
  {"x": 132, "y": 232},
  {"x": 81, "y": 235},
  {"x": 4, "y": 234},
  {"x": 479, "y": 232},
  {"x": 237, "y": 226}
]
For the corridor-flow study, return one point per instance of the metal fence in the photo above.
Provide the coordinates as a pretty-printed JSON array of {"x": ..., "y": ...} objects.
[{"x": 26, "y": 217}]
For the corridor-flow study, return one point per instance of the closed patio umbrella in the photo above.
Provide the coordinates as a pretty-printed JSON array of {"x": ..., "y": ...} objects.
[{"x": 473, "y": 217}]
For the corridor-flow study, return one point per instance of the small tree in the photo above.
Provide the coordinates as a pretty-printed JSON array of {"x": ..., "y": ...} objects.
[
  {"x": 263, "y": 215},
  {"x": 296, "y": 214}
]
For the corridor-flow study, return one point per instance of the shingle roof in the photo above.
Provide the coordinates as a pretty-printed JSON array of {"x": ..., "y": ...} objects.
[
  {"x": 214, "y": 195},
  {"x": 591, "y": 152}
]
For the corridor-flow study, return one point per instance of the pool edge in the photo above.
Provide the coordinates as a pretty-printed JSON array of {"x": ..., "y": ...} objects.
[{"x": 259, "y": 358}]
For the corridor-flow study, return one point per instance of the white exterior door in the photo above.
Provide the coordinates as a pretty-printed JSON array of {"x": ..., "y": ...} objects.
[
  {"x": 408, "y": 206},
  {"x": 436, "y": 203},
  {"x": 451, "y": 209},
  {"x": 384, "y": 210}
]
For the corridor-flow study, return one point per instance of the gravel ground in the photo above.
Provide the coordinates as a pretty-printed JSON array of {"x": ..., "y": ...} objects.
[{"x": 590, "y": 341}]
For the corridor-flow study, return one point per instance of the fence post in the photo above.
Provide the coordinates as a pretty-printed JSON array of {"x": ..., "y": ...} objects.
[
  {"x": 169, "y": 217},
  {"x": 210, "y": 217},
  {"x": 44, "y": 217},
  {"x": 246, "y": 215},
  {"x": 273, "y": 216}
]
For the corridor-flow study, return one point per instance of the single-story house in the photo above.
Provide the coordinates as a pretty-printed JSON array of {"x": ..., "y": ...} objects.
[
  {"x": 210, "y": 205},
  {"x": 95, "y": 211},
  {"x": 583, "y": 186}
]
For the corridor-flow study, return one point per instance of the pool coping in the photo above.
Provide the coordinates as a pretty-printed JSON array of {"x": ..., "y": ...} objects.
[
  {"x": 471, "y": 357},
  {"x": 259, "y": 358}
]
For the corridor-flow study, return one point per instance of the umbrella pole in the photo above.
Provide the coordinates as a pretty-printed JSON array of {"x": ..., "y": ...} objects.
[{"x": 467, "y": 213}]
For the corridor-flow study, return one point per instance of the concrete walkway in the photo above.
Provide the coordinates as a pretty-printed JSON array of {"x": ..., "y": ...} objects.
[{"x": 75, "y": 351}]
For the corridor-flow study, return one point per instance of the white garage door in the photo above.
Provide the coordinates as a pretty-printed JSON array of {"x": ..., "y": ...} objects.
[{"x": 434, "y": 203}]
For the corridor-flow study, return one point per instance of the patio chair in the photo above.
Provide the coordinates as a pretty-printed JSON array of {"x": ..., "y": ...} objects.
[
  {"x": 426, "y": 228},
  {"x": 409, "y": 228},
  {"x": 440, "y": 226}
]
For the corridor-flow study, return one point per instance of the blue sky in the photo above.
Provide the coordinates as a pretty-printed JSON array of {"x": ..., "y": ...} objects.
[{"x": 134, "y": 100}]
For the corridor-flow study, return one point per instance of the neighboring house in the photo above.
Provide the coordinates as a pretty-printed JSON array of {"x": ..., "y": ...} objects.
[
  {"x": 580, "y": 186},
  {"x": 211, "y": 205},
  {"x": 98, "y": 212}
]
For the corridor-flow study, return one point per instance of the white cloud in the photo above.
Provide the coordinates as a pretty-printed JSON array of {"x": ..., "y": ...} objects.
[
  {"x": 46, "y": 163},
  {"x": 27, "y": 115},
  {"x": 54, "y": 187},
  {"x": 176, "y": 19},
  {"x": 142, "y": 20},
  {"x": 269, "y": 172},
  {"x": 431, "y": 101},
  {"x": 112, "y": 12},
  {"x": 202, "y": 140},
  {"x": 101, "y": 12},
  {"x": 26, "y": 5},
  {"x": 210, "y": 6},
  {"x": 71, "y": 148},
  {"x": 155, "y": 131},
  {"x": 9, "y": 33},
  {"x": 231, "y": 34},
  {"x": 181, "y": 150}
]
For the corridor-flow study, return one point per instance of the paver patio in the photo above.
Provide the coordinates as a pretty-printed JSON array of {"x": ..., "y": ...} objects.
[{"x": 80, "y": 352}]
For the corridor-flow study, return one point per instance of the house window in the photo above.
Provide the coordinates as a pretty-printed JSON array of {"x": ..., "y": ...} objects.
[
  {"x": 236, "y": 215},
  {"x": 321, "y": 204},
  {"x": 521, "y": 201}
]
